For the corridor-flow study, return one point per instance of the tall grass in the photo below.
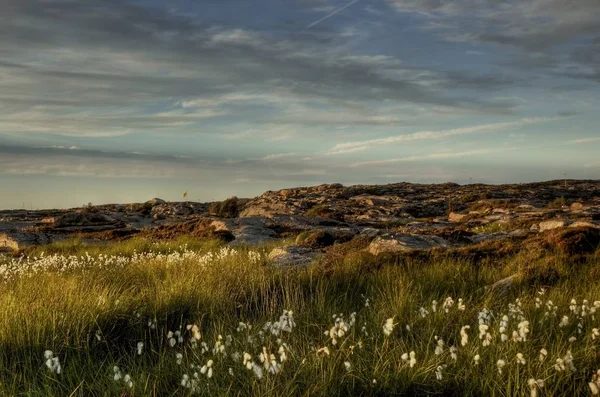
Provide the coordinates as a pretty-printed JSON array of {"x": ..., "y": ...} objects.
[{"x": 92, "y": 319}]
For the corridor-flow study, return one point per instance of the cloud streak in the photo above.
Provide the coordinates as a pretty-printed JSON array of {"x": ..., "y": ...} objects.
[{"x": 313, "y": 24}]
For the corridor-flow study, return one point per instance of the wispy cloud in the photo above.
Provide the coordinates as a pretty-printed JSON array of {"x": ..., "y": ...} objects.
[
  {"x": 432, "y": 156},
  {"x": 331, "y": 14},
  {"x": 430, "y": 135},
  {"x": 584, "y": 140}
]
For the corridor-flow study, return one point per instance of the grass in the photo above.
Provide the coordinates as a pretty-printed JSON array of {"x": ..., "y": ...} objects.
[{"x": 93, "y": 312}]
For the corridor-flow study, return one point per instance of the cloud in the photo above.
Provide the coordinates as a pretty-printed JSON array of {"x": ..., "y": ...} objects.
[
  {"x": 432, "y": 156},
  {"x": 105, "y": 68},
  {"x": 431, "y": 135},
  {"x": 584, "y": 140}
]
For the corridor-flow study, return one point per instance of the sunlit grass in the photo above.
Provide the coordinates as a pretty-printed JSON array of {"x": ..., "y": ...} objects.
[{"x": 161, "y": 323}]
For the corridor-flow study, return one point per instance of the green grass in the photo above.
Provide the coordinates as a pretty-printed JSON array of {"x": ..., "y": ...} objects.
[{"x": 63, "y": 310}]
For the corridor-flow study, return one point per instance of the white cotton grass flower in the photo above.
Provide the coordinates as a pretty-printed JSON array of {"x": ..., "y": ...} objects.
[
  {"x": 117, "y": 374},
  {"x": 476, "y": 359},
  {"x": 448, "y": 303},
  {"x": 500, "y": 364},
  {"x": 178, "y": 358},
  {"x": 453, "y": 351},
  {"x": 572, "y": 339},
  {"x": 412, "y": 359},
  {"x": 439, "y": 348},
  {"x": 595, "y": 383},
  {"x": 543, "y": 354},
  {"x": 207, "y": 369},
  {"x": 98, "y": 335},
  {"x": 564, "y": 321},
  {"x": 520, "y": 359},
  {"x": 388, "y": 327},
  {"x": 195, "y": 331},
  {"x": 464, "y": 337},
  {"x": 128, "y": 381},
  {"x": 348, "y": 366},
  {"x": 438, "y": 372},
  {"x": 559, "y": 365},
  {"x": 484, "y": 335},
  {"x": 52, "y": 362},
  {"x": 423, "y": 312},
  {"x": 535, "y": 386},
  {"x": 460, "y": 305},
  {"x": 140, "y": 348},
  {"x": 595, "y": 333},
  {"x": 324, "y": 351}
]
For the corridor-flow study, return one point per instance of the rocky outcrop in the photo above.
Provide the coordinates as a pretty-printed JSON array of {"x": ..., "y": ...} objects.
[
  {"x": 405, "y": 242},
  {"x": 292, "y": 256}
]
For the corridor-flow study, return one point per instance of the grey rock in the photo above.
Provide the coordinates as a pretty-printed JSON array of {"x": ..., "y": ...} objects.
[
  {"x": 292, "y": 256},
  {"x": 405, "y": 242}
]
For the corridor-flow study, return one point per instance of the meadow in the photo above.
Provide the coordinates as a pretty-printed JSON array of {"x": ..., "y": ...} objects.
[{"x": 190, "y": 317}]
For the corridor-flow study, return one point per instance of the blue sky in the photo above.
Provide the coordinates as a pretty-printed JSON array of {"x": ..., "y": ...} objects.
[{"x": 119, "y": 101}]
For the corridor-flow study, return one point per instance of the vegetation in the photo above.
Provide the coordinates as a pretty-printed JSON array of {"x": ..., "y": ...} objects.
[
  {"x": 229, "y": 208},
  {"x": 191, "y": 317}
]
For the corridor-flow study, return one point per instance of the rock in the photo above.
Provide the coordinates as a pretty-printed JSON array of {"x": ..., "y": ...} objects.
[
  {"x": 504, "y": 285},
  {"x": 253, "y": 235},
  {"x": 593, "y": 224},
  {"x": 16, "y": 241},
  {"x": 405, "y": 242},
  {"x": 84, "y": 219},
  {"x": 577, "y": 206},
  {"x": 370, "y": 232},
  {"x": 156, "y": 201},
  {"x": 292, "y": 256},
  {"x": 457, "y": 217},
  {"x": 478, "y": 238},
  {"x": 554, "y": 224},
  {"x": 315, "y": 239}
]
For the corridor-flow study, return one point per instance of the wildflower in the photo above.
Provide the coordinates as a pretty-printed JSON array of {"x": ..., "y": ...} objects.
[
  {"x": 179, "y": 358},
  {"x": 564, "y": 321},
  {"x": 595, "y": 383},
  {"x": 568, "y": 359},
  {"x": 534, "y": 386},
  {"x": 207, "y": 369},
  {"x": 453, "y": 354},
  {"x": 523, "y": 327},
  {"x": 404, "y": 357},
  {"x": 193, "y": 328},
  {"x": 140, "y": 347},
  {"x": 99, "y": 335},
  {"x": 448, "y": 303},
  {"x": 413, "y": 359},
  {"x": 423, "y": 312},
  {"x": 53, "y": 363},
  {"x": 348, "y": 366},
  {"x": 520, "y": 359},
  {"x": 128, "y": 381},
  {"x": 388, "y": 327},
  {"x": 572, "y": 339},
  {"x": 595, "y": 333},
  {"x": 248, "y": 360},
  {"x": 543, "y": 354},
  {"x": 434, "y": 306},
  {"x": 230, "y": 371},
  {"x": 464, "y": 337},
  {"x": 374, "y": 381},
  {"x": 476, "y": 359},
  {"x": 257, "y": 370},
  {"x": 324, "y": 351},
  {"x": 439, "y": 349},
  {"x": 282, "y": 354},
  {"x": 438, "y": 372},
  {"x": 484, "y": 334},
  {"x": 500, "y": 364},
  {"x": 560, "y": 365},
  {"x": 461, "y": 306},
  {"x": 117, "y": 373}
]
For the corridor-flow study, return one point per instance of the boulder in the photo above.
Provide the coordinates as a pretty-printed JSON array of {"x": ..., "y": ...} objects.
[
  {"x": 554, "y": 224},
  {"x": 292, "y": 255},
  {"x": 315, "y": 239},
  {"x": 405, "y": 242},
  {"x": 156, "y": 201},
  {"x": 457, "y": 217}
]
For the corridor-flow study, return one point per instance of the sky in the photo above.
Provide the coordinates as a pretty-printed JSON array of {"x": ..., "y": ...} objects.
[{"x": 114, "y": 101}]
